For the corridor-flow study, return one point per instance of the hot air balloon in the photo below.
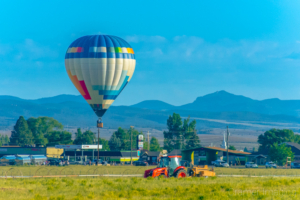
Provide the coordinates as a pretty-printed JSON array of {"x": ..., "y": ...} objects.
[{"x": 100, "y": 67}]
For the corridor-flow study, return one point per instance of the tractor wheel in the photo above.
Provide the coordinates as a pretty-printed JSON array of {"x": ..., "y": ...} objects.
[
  {"x": 191, "y": 172},
  {"x": 181, "y": 174}
]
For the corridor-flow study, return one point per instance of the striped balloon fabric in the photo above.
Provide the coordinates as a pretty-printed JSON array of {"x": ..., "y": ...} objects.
[{"x": 100, "y": 66}]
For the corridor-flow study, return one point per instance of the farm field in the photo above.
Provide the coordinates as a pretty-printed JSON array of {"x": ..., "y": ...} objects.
[
  {"x": 141, "y": 188},
  {"x": 129, "y": 170}
]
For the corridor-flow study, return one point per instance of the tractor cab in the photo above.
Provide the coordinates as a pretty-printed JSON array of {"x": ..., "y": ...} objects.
[
  {"x": 168, "y": 166},
  {"x": 171, "y": 162}
]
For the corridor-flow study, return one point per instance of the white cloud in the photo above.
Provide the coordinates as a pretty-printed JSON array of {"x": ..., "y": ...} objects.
[
  {"x": 27, "y": 50},
  {"x": 196, "y": 50}
]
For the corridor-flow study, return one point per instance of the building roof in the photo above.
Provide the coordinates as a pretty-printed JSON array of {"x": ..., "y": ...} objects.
[
  {"x": 293, "y": 144},
  {"x": 151, "y": 153},
  {"x": 221, "y": 149},
  {"x": 102, "y": 153},
  {"x": 230, "y": 151},
  {"x": 175, "y": 152},
  {"x": 260, "y": 156}
]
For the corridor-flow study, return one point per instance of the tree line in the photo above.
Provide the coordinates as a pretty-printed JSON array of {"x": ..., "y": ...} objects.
[
  {"x": 4, "y": 140},
  {"x": 272, "y": 142},
  {"x": 181, "y": 133},
  {"x": 47, "y": 131}
]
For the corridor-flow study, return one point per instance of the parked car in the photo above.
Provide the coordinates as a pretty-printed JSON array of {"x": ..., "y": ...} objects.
[
  {"x": 95, "y": 161},
  {"x": 54, "y": 162},
  {"x": 220, "y": 163},
  {"x": 271, "y": 165},
  {"x": 140, "y": 163},
  {"x": 105, "y": 163},
  {"x": 295, "y": 165},
  {"x": 251, "y": 165}
]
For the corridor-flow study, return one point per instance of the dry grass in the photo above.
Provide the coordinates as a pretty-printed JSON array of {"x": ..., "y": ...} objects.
[
  {"x": 69, "y": 170},
  {"x": 257, "y": 171},
  {"x": 140, "y": 188},
  {"x": 124, "y": 170}
]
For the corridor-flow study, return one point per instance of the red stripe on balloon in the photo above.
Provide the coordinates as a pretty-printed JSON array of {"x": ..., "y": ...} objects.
[{"x": 87, "y": 95}]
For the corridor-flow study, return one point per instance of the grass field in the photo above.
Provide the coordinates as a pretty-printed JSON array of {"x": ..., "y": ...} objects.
[
  {"x": 141, "y": 188},
  {"x": 257, "y": 171},
  {"x": 125, "y": 170},
  {"x": 69, "y": 170}
]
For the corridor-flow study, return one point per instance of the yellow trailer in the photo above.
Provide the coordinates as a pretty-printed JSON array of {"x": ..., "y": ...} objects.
[{"x": 204, "y": 171}]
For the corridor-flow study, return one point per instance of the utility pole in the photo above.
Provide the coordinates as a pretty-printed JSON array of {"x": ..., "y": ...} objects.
[
  {"x": 148, "y": 142},
  {"x": 99, "y": 125},
  {"x": 98, "y": 145},
  {"x": 227, "y": 146},
  {"x": 131, "y": 127}
]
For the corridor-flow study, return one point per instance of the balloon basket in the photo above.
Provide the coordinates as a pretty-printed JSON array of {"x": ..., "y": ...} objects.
[{"x": 100, "y": 125}]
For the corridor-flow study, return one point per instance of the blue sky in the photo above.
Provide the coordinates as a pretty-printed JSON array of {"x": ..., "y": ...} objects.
[{"x": 183, "y": 49}]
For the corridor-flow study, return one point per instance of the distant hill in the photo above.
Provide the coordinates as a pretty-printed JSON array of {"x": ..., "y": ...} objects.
[
  {"x": 55, "y": 99},
  {"x": 154, "y": 104},
  {"x": 60, "y": 99},
  {"x": 211, "y": 111},
  {"x": 223, "y": 101}
]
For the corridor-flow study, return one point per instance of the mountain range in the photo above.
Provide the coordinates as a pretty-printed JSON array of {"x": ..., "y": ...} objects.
[{"x": 211, "y": 111}]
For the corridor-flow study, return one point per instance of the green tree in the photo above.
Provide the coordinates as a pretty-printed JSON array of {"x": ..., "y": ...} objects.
[
  {"x": 154, "y": 144},
  {"x": 245, "y": 149},
  {"x": 145, "y": 147},
  {"x": 104, "y": 143},
  {"x": 124, "y": 137},
  {"x": 180, "y": 135},
  {"x": 114, "y": 143},
  {"x": 277, "y": 136},
  {"x": 21, "y": 135},
  {"x": 279, "y": 153},
  {"x": 231, "y": 147},
  {"x": 135, "y": 134},
  {"x": 190, "y": 134},
  {"x": 78, "y": 137},
  {"x": 59, "y": 137},
  {"x": 173, "y": 137},
  {"x": 41, "y": 126},
  {"x": 87, "y": 137},
  {"x": 6, "y": 140}
]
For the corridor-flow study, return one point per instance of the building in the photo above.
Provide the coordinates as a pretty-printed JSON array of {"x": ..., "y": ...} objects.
[
  {"x": 151, "y": 157},
  {"x": 110, "y": 156},
  {"x": 205, "y": 155},
  {"x": 22, "y": 151},
  {"x": 175, "y": 152},
  {"x": 295, "y": 147},
  {"x": 259, "y": 158},
  {"x": 262, "y": 157},
  {"x": 53, "y": 152}
]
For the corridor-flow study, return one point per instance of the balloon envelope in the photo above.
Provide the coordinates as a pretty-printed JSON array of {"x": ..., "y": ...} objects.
[{"x": 100, "y": 66}]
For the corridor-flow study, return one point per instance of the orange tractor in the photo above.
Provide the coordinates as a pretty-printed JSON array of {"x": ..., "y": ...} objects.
[{"x": 169, "y": 166}]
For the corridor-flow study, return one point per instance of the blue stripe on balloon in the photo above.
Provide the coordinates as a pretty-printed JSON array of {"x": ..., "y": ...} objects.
[
  {"x": 111, "y": 92},
  {"x": 110, "y": 97},
  {"x": 99, "y": 55},
  {"x": 99, "y": 41}
]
